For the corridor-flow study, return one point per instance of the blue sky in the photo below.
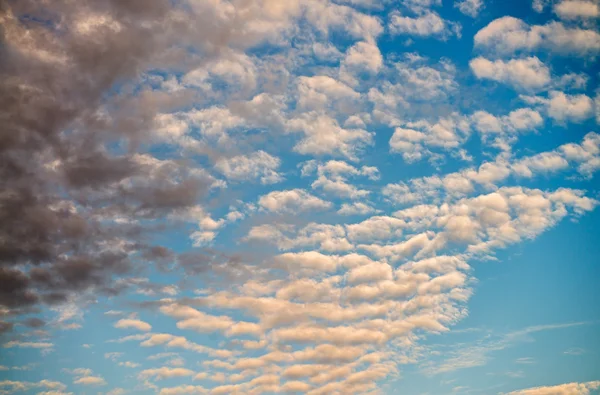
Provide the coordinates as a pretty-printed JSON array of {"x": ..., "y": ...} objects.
[{"x": 304, "y": 196}]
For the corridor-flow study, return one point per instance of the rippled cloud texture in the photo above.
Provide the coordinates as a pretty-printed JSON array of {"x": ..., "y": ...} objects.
[{"x": 299, "y": 196}]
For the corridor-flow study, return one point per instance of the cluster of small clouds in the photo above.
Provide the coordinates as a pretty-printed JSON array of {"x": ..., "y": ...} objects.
[{"x": 356, "y": 263}]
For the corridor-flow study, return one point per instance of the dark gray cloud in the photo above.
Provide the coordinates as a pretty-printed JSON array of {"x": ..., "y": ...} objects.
[
  {"x": 34, "y": 322},
  {"x": 65, "y": 66}
]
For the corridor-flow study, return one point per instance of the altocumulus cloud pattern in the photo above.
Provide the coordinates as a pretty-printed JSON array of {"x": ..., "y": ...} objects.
[{"x": 299, "y": 197}]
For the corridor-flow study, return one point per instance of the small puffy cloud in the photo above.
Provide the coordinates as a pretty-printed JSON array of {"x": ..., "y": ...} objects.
[
  {"x": 330, "y": 16},
  {"x": 357, "y": 208},
  {"x": 574, "y": 9},
  {"x": 521, "y": 120},
  {"x": 324, "y": 136},
  {"x": 291, "y": 201},
  {"x": 502, "y": 131},
  {"x": 362, "y": 59},
  {"x": 339, "y": 187},
  {"x": 90, "y": 380},
  {"x": 421, "y": 5},
  {"x": 258, "y": 165},
  {"x": 528, "y": 73},
  {"x": 322, "y": 91},
  {"x": 376, "y": 271},
  {"x": 418, "y": 139},
  {"x": 165, "y": 373},
  {"x": 415, "y": 84},
  {"x": 539, "y": 5},
  {"x": 85, "y": 376},
  {"x": 587, "y": 154},
  {"x": 540, "y": 163},
  {"x": 428, "y": 24},
  {"x": 126, "y": 323},
  {"x": 309, "y": 260},
  {"x": 469, "y": 7},
  {"x": 508, "y": 35},
  {"x": 564, "y": 107},
  {"x": 333, "y": 178}
]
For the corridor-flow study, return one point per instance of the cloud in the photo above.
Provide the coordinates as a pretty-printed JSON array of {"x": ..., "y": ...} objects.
[
  {"x": 133, "y": 323},
  {"x": 429, "y": 24},
  {"x": 256, "y": 166},
  {"x": 322, "y": 91},
  {"x": 418, "y": 139},
  {"x": 324, "y": 136},
  {"x": 356, "y": 208},
  {"x": 471, "y": 8},
  {"x": 84, "y": 376},
  {"x": 20, "y": 344},
  {"x": 45, "y": 195},
  {"x": 522, "y": 74},
  {"x": 165, "y": 373},
  {"x": 176, "y": 135},
  {"x": 292, "y": 201},
  {"x": 563, "y": 389},
  {"x": 508, "y": 35},
  {"x": 564, "y": 107},
  {"x": 478, "y": 354},
  {"x": 363, "y": 56},
  {"x": 54, "y": 387},
  {"x": 90, "y": 380},
  {"x": 414, "y": 86},
  {"x": 573, "y": 9},
  {"x": 333, "y": 178}
]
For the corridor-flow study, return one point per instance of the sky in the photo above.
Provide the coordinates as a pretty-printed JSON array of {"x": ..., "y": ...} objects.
[{"x": 299, "y": 197}]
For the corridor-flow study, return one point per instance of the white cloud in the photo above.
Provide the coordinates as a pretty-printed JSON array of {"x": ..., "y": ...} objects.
[
  {"x": 293, "y": 200},
  {"x": 507, "y": 35},
  {"x": 502, "y": 131},
  {"x": 573, "y": 9},
  {"x": 322, "y": 91},
  {"x": 85, "y": 376},
  {"x": 418, "y": 139},
  {"x": 415, "y": 84},
  {"x": 133, "y": 323},
  {"x": 471, "y": 8},
  {"x": 564, "y": 107},
  {"x": 362, "y": 57},
  {"x": 90, "y": 380},
  {"x": 324, "y": 136},
  {"x": 333, "y": 178},
  {"x": 258, "y": 165},
  {"x": 521, "y": 120},
  {"x": 165, "y": 373},
  {"x": 429, "y": 24},
  {"x": 539, "y": 5},
  {"x": 528, "y": 73},
  {"x": 357, "y": 208},
  {"x": 421, "y": 5}
]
